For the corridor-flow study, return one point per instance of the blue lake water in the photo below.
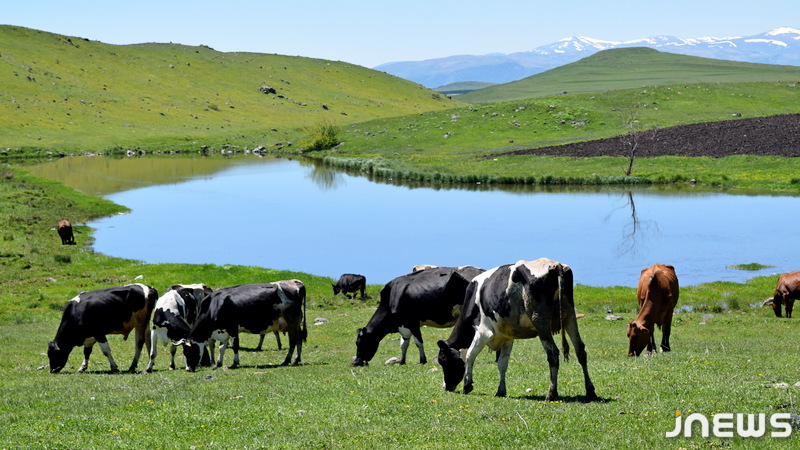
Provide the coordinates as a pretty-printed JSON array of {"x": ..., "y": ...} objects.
[{"x": 284, "y": 215}]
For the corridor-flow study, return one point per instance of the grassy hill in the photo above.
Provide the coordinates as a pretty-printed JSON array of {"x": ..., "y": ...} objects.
[
  {"x": 462, "y": 87},
  {"x": 628, "y": 68},
  {"x": 69, "y": 93}
]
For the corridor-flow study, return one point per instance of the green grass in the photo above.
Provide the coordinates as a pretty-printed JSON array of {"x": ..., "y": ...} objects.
[
  {"x": 69, "y": 94},
  {"x": 627, "y": 68},
  {"x": 462, "y": 144},
  {"x": 724, "y": 360}
]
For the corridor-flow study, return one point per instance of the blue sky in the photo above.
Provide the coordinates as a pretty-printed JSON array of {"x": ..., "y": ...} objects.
[{"x": 373, "y": 32}]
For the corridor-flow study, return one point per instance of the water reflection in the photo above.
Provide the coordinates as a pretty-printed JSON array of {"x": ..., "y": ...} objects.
[
  {"x": 324, "y": 177},
  {"x": 607, "y": 235},
  {"x": 635, "y": 230}
]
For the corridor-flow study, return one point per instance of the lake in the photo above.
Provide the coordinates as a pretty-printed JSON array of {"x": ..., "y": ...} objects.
[{"x": 282, "y": 214}]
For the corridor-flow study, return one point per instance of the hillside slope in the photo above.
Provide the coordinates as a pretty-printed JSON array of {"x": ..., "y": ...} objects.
[
  {"x": 72, "y": 93},
  {"x": 628, "y": 68}
]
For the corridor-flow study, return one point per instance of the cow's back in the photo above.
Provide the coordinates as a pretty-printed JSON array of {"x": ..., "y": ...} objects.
[{"x": 658, "y": 284}]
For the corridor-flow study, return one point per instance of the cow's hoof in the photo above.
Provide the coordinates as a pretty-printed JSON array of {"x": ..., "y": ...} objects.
[
  {"x": 467, "y": 389},
  {"x": 500, "y": 394}
]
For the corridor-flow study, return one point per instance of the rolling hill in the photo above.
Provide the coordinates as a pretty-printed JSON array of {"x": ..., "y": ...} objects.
[
  {"x": 69, "y": 93},
  {"x": 627, "y": 68}
]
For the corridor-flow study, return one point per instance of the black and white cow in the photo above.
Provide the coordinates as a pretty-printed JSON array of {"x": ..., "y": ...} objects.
[
  {"x": 92, "y": 315},
  {"x": 254, "y": 308},
  {"x": 432, "y": 297},
  {"x": 350, "y": 283},
  {"x": 174, "y": 314},
  {"x": 515, "y": 301}
]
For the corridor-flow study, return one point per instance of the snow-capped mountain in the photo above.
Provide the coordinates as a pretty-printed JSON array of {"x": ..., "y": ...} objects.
[{"x": 778, "y": 46}]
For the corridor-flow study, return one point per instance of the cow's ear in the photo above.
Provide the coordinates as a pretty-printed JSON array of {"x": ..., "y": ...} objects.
[
  {"x": 360, "y": 332},
  {"x": 631, "y": 324},
  {"x": 644, "y": 330},
  {"x": 443, "y": 345}
]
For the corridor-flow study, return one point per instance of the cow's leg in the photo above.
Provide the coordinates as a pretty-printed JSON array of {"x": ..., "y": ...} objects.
[
  {"x": 153, "y": 351},
  {"x": 666, "y": 329},
  {"x": 417, "y": 333},
  {"x": 789, "y": 307},
  {"x": 142, "y": 338},
  {"x": 405, "y": 340},
  {"x": 478, "y": 342},
  {"x": 551, "y": 349},
  {"x": 223, "y": 344},
  {"x": 503, "y": 355},
  {"x": 87, "y": 351},
  {"x": 106, "y": 351},
  {"x": 172, "y": 350},
  {"x": 278, "y": 339},
  {"x": 235, "y": 353},
  {"x": 295, "y": 340},
  {"x": 207, "y": 358},
  {"x": 580, "y": 352},
  {"x": 363, "y": 295},
  {"x": 260, "y": 342}
]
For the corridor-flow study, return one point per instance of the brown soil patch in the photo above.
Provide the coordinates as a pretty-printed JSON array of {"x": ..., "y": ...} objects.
[{"x": 761, "y": 136}]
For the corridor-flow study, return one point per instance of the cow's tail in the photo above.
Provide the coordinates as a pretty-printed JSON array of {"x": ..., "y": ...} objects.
[
  {"x": 304, "y": 331},
  {"x": 565, "y": 308}
]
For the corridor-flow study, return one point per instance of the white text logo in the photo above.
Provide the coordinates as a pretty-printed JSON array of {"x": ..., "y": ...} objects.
[{"x": 727, "y": 425}]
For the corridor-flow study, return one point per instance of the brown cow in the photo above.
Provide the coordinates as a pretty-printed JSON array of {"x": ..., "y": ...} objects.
[
  {"x": 786, "y": 292},
  {"x": 64, "y": 229},
  {"x": 658, "y": 295}
]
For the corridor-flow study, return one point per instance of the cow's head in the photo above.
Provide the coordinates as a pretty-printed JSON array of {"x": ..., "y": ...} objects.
[
  {"x": 336, "y": 289},
  {"x": 191, "y": 351},
  {"x": 453, "y": 366},
  {"x": 639, "y": 337},
  {"x": 57, "y": 356},
  {"x": 366, "y": 346},
  {"x": 776, "y": 305}
]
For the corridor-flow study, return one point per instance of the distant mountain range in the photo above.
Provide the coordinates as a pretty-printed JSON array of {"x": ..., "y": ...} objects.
[{"x": 779, "y": 46}]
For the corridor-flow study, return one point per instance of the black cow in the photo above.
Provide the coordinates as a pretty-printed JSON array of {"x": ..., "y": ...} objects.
[
  {"x": 174, "y": 314},
  {"x": 92, "y": 315},
  {"x": 517, "y": 301},
  {"x": 64, "y": 229},
  {"x": 253, "y": 308},
  {"x": 350, "y": 282},
  {"x": 432, "y": 297}
]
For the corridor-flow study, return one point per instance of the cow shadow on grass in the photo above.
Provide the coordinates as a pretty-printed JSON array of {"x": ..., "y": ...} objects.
[{"x": 566, "y": 399}]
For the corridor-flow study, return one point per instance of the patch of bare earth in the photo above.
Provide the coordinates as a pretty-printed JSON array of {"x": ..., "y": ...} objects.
[{"x": 762, "y": 136}]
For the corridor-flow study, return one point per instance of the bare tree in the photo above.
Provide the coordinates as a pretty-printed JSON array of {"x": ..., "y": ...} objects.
[{"x": 630, "y": 139}]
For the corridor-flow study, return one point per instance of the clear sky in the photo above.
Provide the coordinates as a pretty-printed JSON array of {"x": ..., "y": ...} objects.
[{"x": 372, "y": 32}]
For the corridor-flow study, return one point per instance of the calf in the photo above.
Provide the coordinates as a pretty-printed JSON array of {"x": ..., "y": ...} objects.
[
  {"x": 786, "y": 292},
  {"x": 350, "y": 282},
  {"x": 64, "y": 229},
  {"x": 432, "y": 297},
  {"x": 175, "y": 313},
  {"x": 92, "y": 315},
  {"x": 254, "y": 308},
  {"x": 516, "y": 301},
  {"x": 657, "y": 295}
]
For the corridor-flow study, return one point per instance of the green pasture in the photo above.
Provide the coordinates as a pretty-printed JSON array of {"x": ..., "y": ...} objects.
[
  {"x": 626, "y": 68},
  {"x": 725, "y": 359}
]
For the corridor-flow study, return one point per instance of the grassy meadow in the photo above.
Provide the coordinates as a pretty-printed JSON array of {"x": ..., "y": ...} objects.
[
  {"x": 724, "y": 360},
  {"x": 69, "y": 95}
]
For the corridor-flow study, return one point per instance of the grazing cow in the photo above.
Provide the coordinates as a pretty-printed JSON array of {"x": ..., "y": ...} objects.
[
  {"x": 350, "y": 282},
  {"x": 254, "y": 308},
  {"x": 657, "y": 294},
  {"x": 786, "y": 292},
  {"x": 515, "y": 301},
  {"x": 420, "y": 267},
  {"x": 174, "y": 314},
  {"x": 64, "y": 229},
  {"x": 431, "y": 297},
  {"x": 92, "y": 315}
]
